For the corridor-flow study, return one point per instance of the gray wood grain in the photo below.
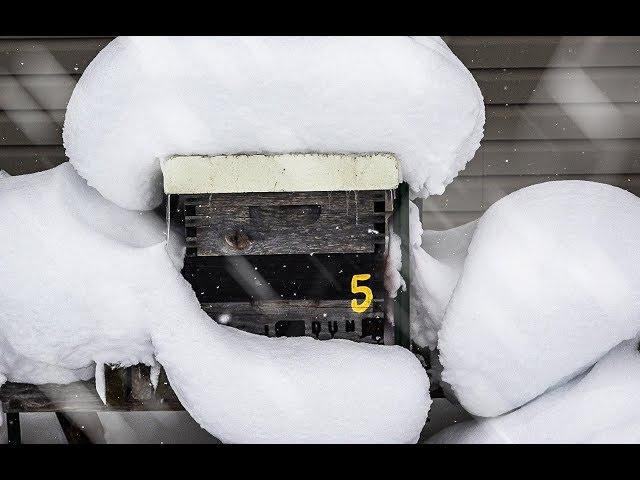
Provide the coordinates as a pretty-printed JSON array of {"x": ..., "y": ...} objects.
[
  {"x": 286, "y": 223},
  {"x": 252, "y": 317}
]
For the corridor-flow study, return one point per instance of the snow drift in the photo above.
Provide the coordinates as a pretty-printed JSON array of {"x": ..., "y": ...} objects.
[
  {"x": 436, "y": 266},
  {"x": 550, "y": 284},
  {"x": 85, "y": 282},
  {"x": 602, "y": 406},
  {"x": 142, "y": 99}
]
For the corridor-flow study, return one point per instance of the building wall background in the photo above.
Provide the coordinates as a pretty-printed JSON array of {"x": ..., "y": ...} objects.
[{"x": 557, "y": 108}]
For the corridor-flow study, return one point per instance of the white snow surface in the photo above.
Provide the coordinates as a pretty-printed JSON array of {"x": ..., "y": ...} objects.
[
  {"x": 436, "y": 266},
  {"x": 90, "y": 283},
  {"x": 72, "y": 282},
  {"x": 143, "y": 99},
  {"x": 550, "y": 284},
  {"x": 601, "y": 406},
  {"x": 4, "y": 174}
]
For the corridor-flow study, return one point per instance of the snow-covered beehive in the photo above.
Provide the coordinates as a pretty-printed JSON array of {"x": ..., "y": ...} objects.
[{"x": 290, "y": 244}]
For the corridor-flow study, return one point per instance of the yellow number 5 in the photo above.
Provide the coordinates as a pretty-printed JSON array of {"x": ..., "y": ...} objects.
[{"x": 355, "y": 288}]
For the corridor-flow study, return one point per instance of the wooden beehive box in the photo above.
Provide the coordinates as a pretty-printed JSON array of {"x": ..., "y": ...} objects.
[{"x": 288, "y": 245}]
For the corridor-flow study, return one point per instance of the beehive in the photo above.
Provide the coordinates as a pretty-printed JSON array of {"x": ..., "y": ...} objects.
[{"x": 288, "y": 245}]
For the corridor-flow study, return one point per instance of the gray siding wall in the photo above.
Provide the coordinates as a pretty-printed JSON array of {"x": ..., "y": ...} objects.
[{"x": 556, "y": 107}]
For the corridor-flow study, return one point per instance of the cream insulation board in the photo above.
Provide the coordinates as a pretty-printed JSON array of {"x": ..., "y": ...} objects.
[{"x": 280, "y": 173}]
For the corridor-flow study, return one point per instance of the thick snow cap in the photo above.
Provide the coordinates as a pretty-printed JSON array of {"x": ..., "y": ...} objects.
[
  {"x": 144, "y": 99},
  {"x": 550, "y": 284}
]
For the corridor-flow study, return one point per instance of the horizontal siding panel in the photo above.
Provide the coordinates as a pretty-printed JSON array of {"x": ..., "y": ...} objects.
[
  {"x": 444, "y": 221},
  {"x": 472, "y": 194},
  {"x": 464, "y": 194},
  {"x": 513, "y": 122},
  {"x": 571, "y": 121},
  {"x": 48, "y": 56},
  {"x": 541, "y": 52},
  {"x": 31, "y": 127},
  {"x": 544, "y": 157},
  {"x": 30, "y": 159},
  {"x": 559, "y": 85},
  {"x": 36, "y": 92},
  {"x": 498, "y": 87}
]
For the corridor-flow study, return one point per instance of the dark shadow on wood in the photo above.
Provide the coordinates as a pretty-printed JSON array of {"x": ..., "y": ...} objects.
[{"x": 81, "y": 427}]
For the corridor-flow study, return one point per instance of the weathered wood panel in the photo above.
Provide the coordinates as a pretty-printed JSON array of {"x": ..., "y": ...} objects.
[
  {"x": 290, "y": 277},
  {"x": 48, "y": 56},
  {"x": 545, "y": 51},
  {"x": 322, "y": 320},
  {"x": 130, "y": 389},
  {"x": 286, "y": 223},
  {"x": 75, "y": 397}
]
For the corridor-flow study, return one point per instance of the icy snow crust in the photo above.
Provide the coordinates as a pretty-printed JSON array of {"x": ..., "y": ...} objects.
[
  {"x": 602, "y": 406},
  {"x": 550, "y": 284},
  {"x": 85, "y": 281},
  {"x": 143, "y": 99}
]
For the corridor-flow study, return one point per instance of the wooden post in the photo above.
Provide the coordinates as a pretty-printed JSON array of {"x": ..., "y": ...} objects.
[
  {"x": 13, "y": 428},
  {"x": 401, "y": 306}
]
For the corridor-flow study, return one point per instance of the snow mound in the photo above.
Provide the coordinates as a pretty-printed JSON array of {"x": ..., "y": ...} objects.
[
  {"x": 4, "y": 174},
  {"x": 106, "y": 291},
  {"x": 436, "y": 266},
  {"x": 602, "y": 406},
  {"x": 550, "y": 284},
  {"x": 67, "y": 274},
  {"x": 143, "y": 99},
  {"x": 250, "y": 388}
]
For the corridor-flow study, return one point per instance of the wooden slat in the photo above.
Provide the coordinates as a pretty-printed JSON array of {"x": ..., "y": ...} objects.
[
  {"x": 541, "y": 52},
  {"x": 294, "y": 277},
  {"x": 30, "y": 159},
  {"x": 36, "y": 92},
  {"x": 559, "y": 85},
  {"x": 130, "y": 389},
  {"x": 31, "y": 127},
  {"x": 283, "y": 223},
  {"x": 472, "y": 194},
  {"x": 252, "y": 317},
  {"x": 48, "y": 56},
  {"x": 74, "y": 397},
  {"x": 571, "y": 121}
]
